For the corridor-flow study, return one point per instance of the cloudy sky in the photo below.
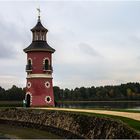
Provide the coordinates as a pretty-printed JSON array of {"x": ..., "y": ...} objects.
[{"x": 97, "y": 42}]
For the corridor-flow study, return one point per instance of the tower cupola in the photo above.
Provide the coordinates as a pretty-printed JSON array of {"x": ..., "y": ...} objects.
[
  {"x": 39, "y": 31},
  {"x": 39, "y": 41}
]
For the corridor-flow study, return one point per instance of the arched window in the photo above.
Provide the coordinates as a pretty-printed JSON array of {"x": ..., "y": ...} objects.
[
  {"x": 29, "y": 65},
  {"x": 29, "y": 62},
  {"x": 46, "y": 65}
]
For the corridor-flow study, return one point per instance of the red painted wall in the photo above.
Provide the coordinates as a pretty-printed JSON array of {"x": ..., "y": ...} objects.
[
  {"x": 38, "y": 90},
  {"x": 37, "y": 60}
]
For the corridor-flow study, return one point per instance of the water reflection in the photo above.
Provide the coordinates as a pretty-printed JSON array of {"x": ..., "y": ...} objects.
[{"x": 102, "y": 104}]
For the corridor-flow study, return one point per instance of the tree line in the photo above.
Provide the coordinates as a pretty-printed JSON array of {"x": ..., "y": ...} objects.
[
  {"x": 129, "y": 91},
  {"x": 13, "y": 94}
]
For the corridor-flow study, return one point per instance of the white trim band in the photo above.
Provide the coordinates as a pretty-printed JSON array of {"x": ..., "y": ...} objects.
[{"x": 39, "y": 76}]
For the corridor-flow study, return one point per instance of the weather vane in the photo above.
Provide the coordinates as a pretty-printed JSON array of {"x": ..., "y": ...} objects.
[{"x": 38, "y": 9}]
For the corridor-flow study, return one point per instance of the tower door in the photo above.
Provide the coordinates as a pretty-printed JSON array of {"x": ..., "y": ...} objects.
[{"x": 28, "y": 100}]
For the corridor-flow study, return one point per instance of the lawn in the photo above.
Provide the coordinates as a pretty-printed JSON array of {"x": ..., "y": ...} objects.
[{"x": 130, "y": 122}]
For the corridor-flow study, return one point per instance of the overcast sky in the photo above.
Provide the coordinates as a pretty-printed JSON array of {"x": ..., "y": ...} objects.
[{"x": 96, "y": 42}]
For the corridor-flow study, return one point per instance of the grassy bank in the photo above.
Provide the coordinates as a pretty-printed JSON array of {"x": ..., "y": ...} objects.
[
  {"x": 130, "y": 122},
  {"x": 135, "y": 124},
  {"x": 97, "y": 121}
]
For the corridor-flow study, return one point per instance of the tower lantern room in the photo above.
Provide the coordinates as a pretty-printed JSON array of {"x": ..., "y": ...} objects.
[
  {"x": 39, "y": 87},
  {"x": 39, "y": 32}
]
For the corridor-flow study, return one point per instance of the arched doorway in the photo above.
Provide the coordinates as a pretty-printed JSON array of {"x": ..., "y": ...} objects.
[{"x": 28, "y": 100}]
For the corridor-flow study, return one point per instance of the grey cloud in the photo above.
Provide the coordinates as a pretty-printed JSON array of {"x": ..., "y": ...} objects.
[
  {"x": 135, "y": 40},
  {"x": 70, "y": 75},
  {"x": 138, "y": 58},
  {"x": 87, "y": 49},
  {"x": 7, "y": 51},
  {"x": 9, "y": 31},
  {"x": 89, "y": 72},
  {"x": 10, "y": 36}
]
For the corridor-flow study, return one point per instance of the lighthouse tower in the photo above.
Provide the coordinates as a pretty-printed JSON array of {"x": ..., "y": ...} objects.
[{"x": 39, "y": 87}]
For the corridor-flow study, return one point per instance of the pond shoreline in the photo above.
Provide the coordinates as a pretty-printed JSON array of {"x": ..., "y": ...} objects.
[
  {"x": 99, "y": 101},
  {"x": 133, "y": 104}
]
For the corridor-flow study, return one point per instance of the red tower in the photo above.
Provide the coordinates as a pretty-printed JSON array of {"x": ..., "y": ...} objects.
[{"x": 39, "y": 88}]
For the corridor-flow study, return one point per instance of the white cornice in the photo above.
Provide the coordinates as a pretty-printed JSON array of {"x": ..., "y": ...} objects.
[{"x": 39, "y": 76}]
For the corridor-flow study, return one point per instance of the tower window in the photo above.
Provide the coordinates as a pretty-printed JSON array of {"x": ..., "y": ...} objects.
[
  {"x": 28, "y": 84},
  {"x": 46, "y": 64},
  {"x": 29, "y": 62},
  {"x": 47, "y": 84},
  {"x": 29, "y": 65},
  {"x": 48, "y": 99}
]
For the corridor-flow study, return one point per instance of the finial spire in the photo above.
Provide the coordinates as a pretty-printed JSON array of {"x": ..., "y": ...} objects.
[{"x": 38, "y": 9}]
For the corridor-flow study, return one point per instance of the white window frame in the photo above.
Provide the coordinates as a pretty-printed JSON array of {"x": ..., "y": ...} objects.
[{"x": 46, "y": 99}]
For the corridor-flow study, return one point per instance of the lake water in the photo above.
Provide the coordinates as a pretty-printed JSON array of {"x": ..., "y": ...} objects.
[{"x": 135, "y": 105}]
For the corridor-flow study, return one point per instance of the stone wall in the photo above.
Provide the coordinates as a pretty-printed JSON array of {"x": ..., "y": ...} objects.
[{"x": 69, "y": 125}]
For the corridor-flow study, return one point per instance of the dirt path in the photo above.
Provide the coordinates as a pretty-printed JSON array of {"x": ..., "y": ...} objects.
[{"x": 135, "y": 116}]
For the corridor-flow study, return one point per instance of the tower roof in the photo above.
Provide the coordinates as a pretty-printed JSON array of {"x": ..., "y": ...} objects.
[
  {"x": 39, "y": 27},
  {"x": 39, "y": 46}
]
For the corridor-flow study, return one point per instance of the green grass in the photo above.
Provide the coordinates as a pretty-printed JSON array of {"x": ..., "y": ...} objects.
[
  {"x": 130, "y": 122},
  {"x": 24, "y": 133}
]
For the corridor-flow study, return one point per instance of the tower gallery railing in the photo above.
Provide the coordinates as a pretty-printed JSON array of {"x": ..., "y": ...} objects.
[
  {"x": 28, "y": 67},
  {"x": 47, "y": 68}
]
